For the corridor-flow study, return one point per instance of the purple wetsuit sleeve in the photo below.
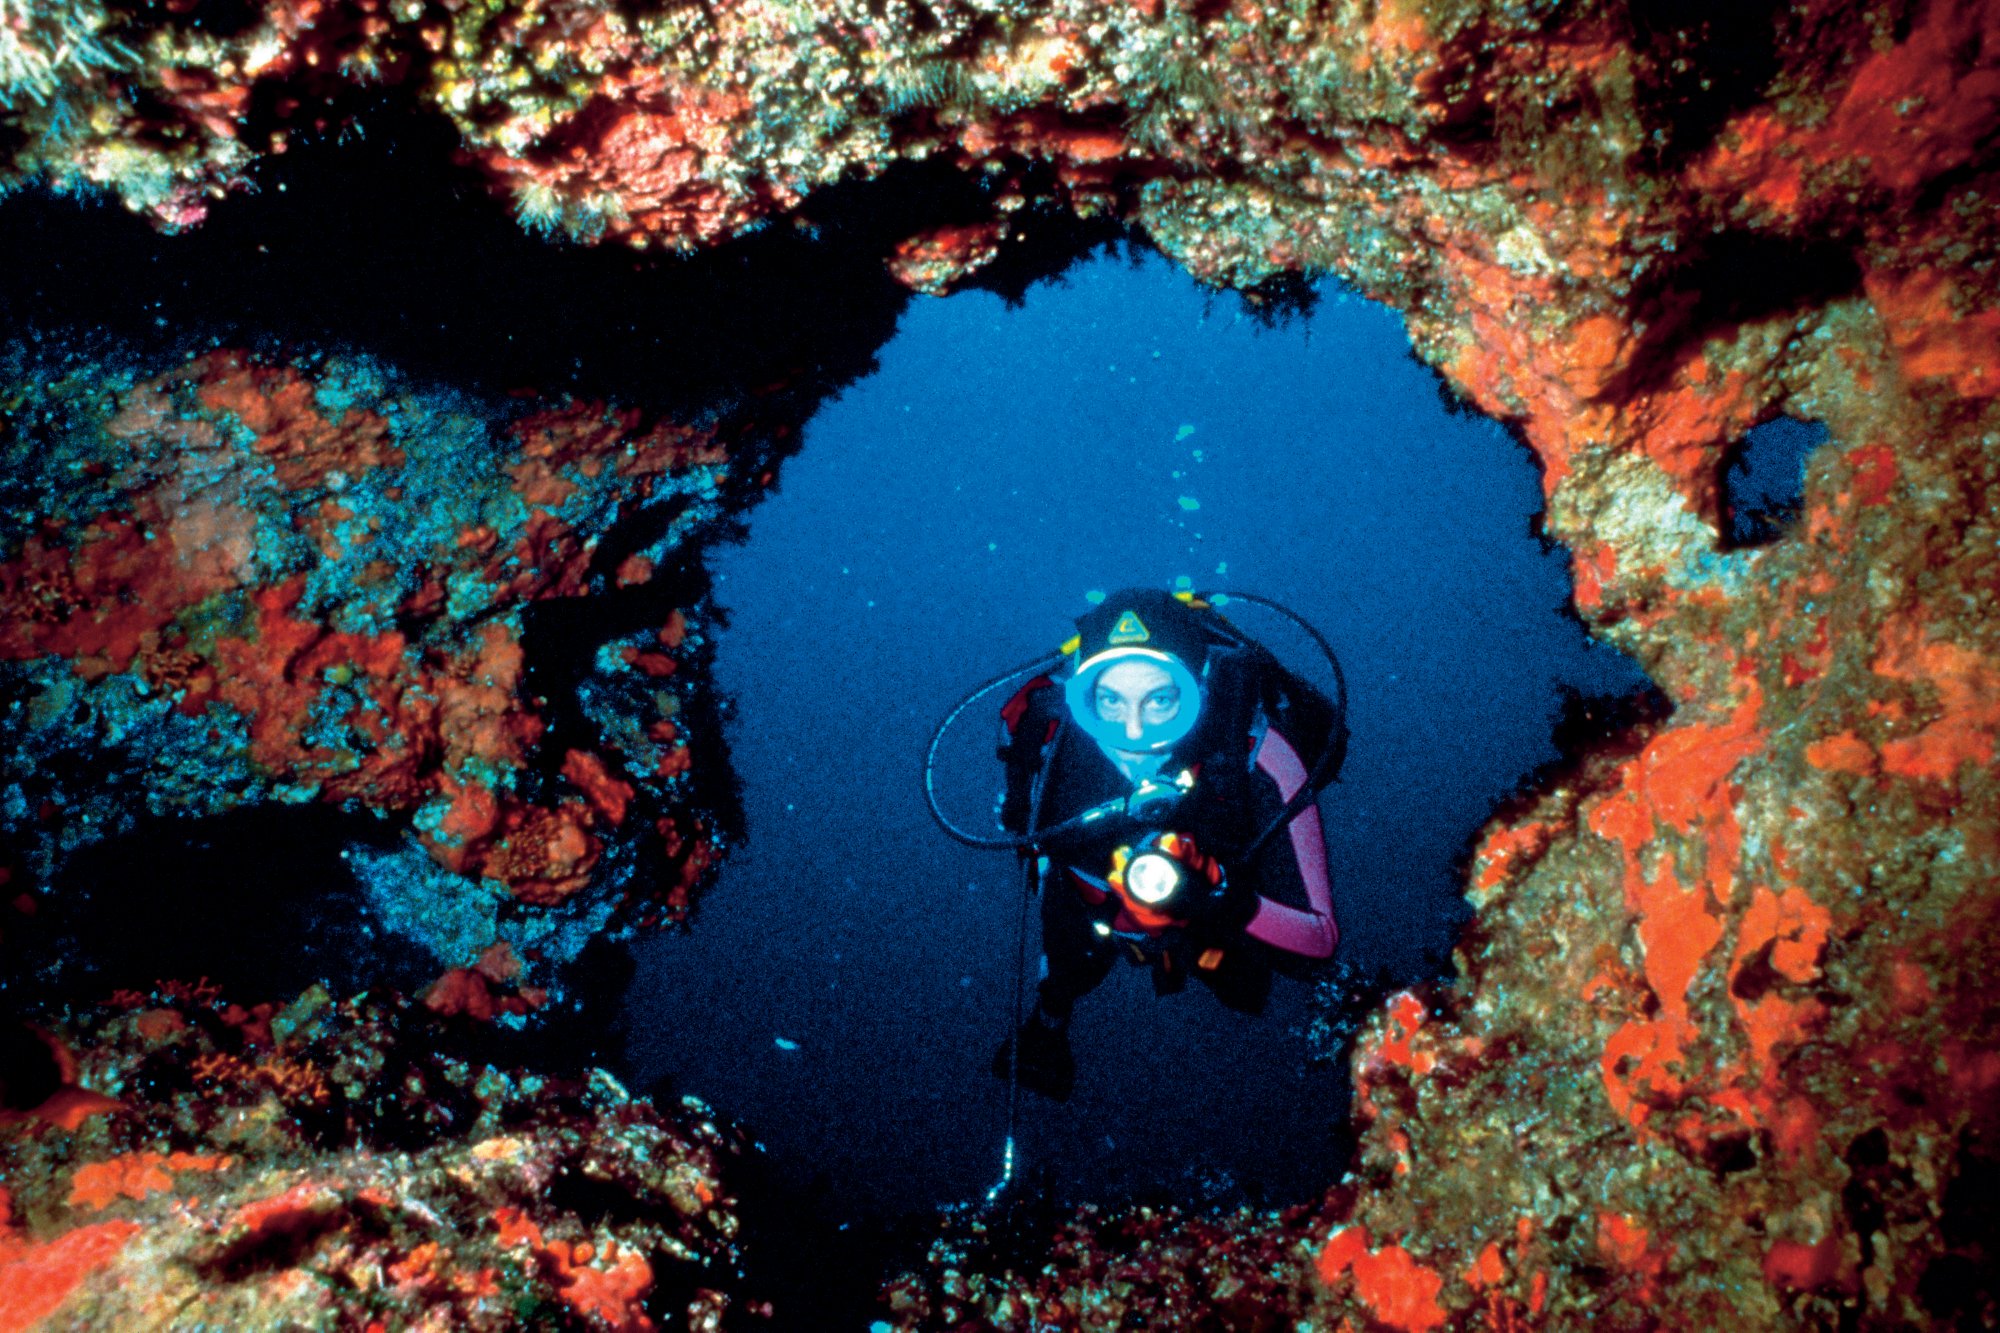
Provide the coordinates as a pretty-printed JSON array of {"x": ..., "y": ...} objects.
[{"x": 1310, "y": 933}]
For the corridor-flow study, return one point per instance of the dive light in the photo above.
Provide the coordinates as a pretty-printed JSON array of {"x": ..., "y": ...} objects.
[
  {"x": 1161, "y": 890},
  {"x": 1159, "y": 886},
  {"x": 1153, "y": 877}
]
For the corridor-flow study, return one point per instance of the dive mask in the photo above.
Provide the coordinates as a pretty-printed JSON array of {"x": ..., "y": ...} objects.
[{"x": 1079, "y": 693}]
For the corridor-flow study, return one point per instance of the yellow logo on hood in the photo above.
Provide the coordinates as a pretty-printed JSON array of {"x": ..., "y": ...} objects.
[{"x": 1129, "y": 629}]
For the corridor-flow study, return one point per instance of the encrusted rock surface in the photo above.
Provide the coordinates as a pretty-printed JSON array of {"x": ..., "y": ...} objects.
[
  {"x": 194, "y": 1164},
  {"x": 1721, "y": 1048},
  {"x": 237, "y": 584}
]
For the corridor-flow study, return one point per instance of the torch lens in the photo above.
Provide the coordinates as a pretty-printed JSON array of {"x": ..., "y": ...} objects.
[{"x": 1152, "y": 878}]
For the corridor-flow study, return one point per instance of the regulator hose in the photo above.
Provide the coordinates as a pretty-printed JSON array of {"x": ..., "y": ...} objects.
[{"x": 993, "y": 844}]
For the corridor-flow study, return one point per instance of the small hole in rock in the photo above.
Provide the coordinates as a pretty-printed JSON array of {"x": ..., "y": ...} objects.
[{"x": 1764, "y": 481}]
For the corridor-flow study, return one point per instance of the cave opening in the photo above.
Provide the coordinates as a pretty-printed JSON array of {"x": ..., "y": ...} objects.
[
  {"x": 1718, "y": 1047},
  {"x": 1046, "y": 441},
  {"x": 847, "y": 978}
]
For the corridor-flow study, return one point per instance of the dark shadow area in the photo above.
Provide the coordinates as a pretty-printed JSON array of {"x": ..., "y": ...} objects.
[
  {"x": 560, "y": 639},
  {"x": 1961, "y": 1288},
  {"x": 221, "y": 19},
  {"x": 1734, "y": 279},
  {"x": 1701, "y": 62},
  {"x": 260, "y": 902},
  {"x": 1764, "y": 481},
  {"x": 30, "y": 1071},
  {"x": 255, "y": 907},
  {"x": 1587, "y": 726},
  {"x": 1599, "y": 724},
  {"x": 818, "y": 1273},
  {"x": 372, "y": 240}
]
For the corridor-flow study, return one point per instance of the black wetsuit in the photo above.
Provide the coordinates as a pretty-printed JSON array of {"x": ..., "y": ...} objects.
[{"x": 1232, "y": 801}]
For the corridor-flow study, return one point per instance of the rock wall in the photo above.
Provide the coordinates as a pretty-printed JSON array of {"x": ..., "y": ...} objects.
[
  {"x": 1721, "y": 1044},
  {"x": 248, "y": 584},
  {"x": 354, "y": 1172}
]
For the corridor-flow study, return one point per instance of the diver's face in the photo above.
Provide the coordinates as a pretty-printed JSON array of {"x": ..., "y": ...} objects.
[{"x": 1137, "y": 695}]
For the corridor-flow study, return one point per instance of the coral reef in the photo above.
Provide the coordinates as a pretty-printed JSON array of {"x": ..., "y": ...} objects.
[
  {"x": 1720, "y": 1050},
  {"x": 327, "y": 1164},
  {"x": 1141, "y": 1267},
  {"x": 239, "y": 583}
]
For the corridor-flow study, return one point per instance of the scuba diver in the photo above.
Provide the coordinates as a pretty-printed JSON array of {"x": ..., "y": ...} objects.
[{"x": 1148, "y": 785}]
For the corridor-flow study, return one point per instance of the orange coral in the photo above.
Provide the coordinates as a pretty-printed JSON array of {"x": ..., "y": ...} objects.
[
  {"x": 1407, "y": 1012},
  {"x": 1678, "y": 782},
  {"x": 36, "y": 1277},
  {"x": 98, "y": 1185},
  {"x": 1968, "y": 702},
  {"x": 1842, "y": 752},
  {"x": 543, "y": 855},
  {"x": 1621, "y": 1239},
  {"x": 290, "y": 1079},
  {"x": 277, "y": 405},
  {"x": 612, "y": 1294},
  {"x": 1909, "y": 114},
  {"x": 607, "y": 795},
  {"x": 471, "y": 991},
  {"x": 1509, "y": 849},
  {"x": 1802, "y": 1267},
  {"x": 1398, "y": 1290}
]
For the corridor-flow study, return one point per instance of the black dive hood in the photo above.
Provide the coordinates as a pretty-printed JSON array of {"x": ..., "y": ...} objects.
[{"x": 1144, "y": 626}]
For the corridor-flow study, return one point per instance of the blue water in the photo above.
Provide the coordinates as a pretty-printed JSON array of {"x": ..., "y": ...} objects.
[
  {"x": 1764, "y": 484},
  {"x": 848, "y": 976}
]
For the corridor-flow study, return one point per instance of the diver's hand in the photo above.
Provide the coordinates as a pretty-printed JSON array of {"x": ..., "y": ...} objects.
[
  {"x": 1216, "y": 904},
  {"x": 1227, "y": 909},
  {"x": 1201, "y": 868}
]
